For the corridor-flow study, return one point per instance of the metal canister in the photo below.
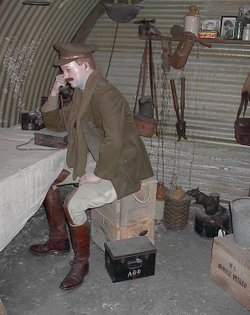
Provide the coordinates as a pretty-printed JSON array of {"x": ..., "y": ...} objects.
[{"x": 246, "y": 32}]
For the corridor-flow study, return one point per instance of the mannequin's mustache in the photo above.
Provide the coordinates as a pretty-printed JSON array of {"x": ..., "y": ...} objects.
[{"x": 69, "y": 80}]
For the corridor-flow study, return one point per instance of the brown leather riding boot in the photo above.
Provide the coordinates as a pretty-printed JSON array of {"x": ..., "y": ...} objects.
[
  {"x": 58, "y": 241},
  {"x": 80, "y": 239}
]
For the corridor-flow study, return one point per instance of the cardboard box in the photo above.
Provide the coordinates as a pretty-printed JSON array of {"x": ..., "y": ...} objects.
[
  {"x": 133, "y": 209},
  {"x": 230, "y": 268},
  {"x": 207, "y": 34},
  {"x": 102, "y": 230},
  {"x": 130, "y": 259}
]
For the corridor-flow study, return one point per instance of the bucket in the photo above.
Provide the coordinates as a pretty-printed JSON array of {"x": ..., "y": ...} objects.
[
  {"x": 145, "y": 126},
  {"x": 240, "y": 209}
]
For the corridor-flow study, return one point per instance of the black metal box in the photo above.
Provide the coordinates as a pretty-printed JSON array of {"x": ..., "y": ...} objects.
[{"x": 130, "y": 258}]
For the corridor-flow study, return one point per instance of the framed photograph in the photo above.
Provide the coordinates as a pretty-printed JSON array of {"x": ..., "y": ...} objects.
[
  {"x": 246, "y": 12},
  {"x": 210, "y": 25},
  {"x": 227, "y": 27}
]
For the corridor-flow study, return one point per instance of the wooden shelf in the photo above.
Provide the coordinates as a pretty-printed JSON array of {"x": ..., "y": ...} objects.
[
  {"x": 217, "y": 40},
  {"x": 220, "y": 40}
]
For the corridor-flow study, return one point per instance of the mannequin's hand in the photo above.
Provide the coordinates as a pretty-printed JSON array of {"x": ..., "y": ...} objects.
[
  {"x": 89, "y": 178},
  {"x": 58, "y": 82}
]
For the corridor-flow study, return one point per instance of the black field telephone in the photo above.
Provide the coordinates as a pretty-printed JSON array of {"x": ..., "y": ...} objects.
[{"x": 31, "y": 120}]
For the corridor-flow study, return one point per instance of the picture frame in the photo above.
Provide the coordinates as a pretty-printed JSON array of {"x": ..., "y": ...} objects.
[
  {"x": 227, "y": 27},
  {"x": 210, "y": 24},
  {"x": 246, "y": 14}
]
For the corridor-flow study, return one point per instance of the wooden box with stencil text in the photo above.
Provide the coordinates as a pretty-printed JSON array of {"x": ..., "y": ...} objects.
[{"x": 230, "y": 268}]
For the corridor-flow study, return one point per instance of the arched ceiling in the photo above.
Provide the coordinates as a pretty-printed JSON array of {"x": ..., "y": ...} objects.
[
  {"x": 28, "y": 33},
  {"x": 214, "y": 79}
]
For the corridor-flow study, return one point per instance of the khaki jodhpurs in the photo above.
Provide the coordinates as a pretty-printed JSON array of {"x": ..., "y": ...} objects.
[{"x": 87, "y": 195}]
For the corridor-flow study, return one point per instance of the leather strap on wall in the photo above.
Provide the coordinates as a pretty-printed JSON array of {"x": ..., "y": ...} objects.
[
  {"x": 152, "y": 78},
  {"x": 147, "y": 54},
  {"x": 245, "y": 95},
  {"x": 243, "y": 101}
]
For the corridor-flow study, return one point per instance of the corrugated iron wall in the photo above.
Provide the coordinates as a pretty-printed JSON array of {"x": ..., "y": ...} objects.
[
  {"x": 28, "y": 33},
  {"x": 210, "y": 158}
]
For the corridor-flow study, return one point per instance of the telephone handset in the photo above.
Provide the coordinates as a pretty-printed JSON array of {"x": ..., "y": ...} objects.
[
  {"x": 65, "y": 96},
  {"x": 65, "y": 91}
]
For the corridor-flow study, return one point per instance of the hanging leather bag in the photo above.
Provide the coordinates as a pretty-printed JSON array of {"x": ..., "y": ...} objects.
[
  {"x": 242, "y": 124},
  {"x": 145, "y": 122},
  {"x": 183, "y": 49}
]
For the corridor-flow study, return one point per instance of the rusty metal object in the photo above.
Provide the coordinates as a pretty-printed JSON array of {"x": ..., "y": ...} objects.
[{"x": 179, "y": 110}]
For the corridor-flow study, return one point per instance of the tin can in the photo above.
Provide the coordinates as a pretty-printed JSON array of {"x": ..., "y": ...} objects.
[{"x": 246, "y": 32}]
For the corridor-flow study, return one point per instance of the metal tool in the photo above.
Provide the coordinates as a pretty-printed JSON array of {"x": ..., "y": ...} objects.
[{"x": 179, "y": 110}]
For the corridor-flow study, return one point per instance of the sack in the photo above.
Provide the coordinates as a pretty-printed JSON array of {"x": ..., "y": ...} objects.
[
  {"x": 145, "y": 126},
  {"x": 242, "y": 124},
  {"x": 242, "y": 130}
]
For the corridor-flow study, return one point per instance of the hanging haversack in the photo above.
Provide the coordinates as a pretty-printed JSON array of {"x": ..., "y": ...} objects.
[{"x": 242, "y": 124}]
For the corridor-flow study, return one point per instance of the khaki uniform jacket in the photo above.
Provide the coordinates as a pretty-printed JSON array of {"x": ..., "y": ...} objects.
[{"x": 109, "y": 133}]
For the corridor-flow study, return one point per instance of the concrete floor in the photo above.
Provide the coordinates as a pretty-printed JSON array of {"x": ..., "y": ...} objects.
[{"x": 181, "y": 284}]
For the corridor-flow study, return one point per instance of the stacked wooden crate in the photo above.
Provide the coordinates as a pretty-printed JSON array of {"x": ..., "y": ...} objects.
[
  {"x": 230, "y": 268},
  {"x": 129, "y": 217},
  {"x": 2, "y": 309}
]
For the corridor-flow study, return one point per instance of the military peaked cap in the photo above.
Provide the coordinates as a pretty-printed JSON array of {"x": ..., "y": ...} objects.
[{"x": 69, "y": 52}]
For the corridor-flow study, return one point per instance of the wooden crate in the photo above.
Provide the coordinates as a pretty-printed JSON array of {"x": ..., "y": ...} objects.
[
  {"x": 102, "y": 230},
  {"x": 49, "y": 138},
  {"x": 230, "y": 268},
  {"x": 2, "y": 309},
  {"x": 133, "y": 209}
]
